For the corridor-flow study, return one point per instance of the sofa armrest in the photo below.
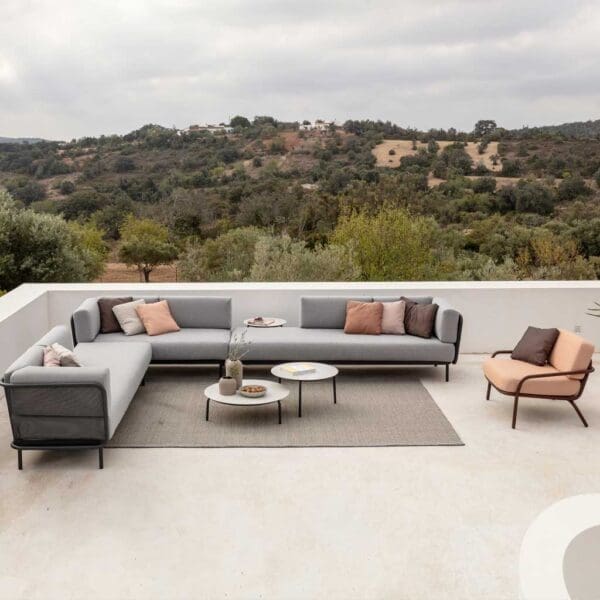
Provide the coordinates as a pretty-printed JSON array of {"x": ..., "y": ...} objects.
[
  {"x": 86, "y": 321},
  {"x": 60, "y": 404},
  {"x": 447, "y": 319}
]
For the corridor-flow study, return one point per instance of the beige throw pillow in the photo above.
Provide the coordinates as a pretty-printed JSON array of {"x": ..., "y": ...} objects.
[
  {"x": 51, "y": 358},
  {"x": 392, "y": 320},
  {"x": 65, "y": 356},
  {"x": 128, "y": 318},
  {"x": 157, "y": 318}
]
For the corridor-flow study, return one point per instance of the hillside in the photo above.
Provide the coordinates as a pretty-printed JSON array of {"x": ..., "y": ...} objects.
[{"x": 204, "y": 186}]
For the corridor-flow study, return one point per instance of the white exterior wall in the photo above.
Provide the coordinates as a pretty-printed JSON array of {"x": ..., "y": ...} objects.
[{"x": 495, "y": 313}]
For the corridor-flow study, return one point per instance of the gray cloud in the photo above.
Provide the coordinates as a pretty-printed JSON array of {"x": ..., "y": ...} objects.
[{"x": 84, "y": 68}]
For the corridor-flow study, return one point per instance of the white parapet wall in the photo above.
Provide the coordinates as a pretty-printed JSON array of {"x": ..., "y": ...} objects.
[{"x": 495, "y": 313}]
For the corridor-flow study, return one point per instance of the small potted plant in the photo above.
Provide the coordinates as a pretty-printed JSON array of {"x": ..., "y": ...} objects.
[{"x": 238, "y": 348}]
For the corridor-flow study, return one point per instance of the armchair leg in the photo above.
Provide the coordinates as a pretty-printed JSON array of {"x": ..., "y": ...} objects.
[
  {"x": 489, "y": 389},
  {"x": 514, "y": 419},
  {"x": 579, "y": 414}
]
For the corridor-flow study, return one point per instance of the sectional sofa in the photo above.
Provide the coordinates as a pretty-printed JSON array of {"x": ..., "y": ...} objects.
[
  {"x": 81, "y": 407},
  {"x": 321, "y": 337}
]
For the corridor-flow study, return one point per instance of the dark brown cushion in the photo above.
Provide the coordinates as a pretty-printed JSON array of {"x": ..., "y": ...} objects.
[
  {"x": 419, "y": 318},
  {"x": 535, "y": 346},
  {"x": 363, "y": 317},
  {"x": 108, "y": 321}
]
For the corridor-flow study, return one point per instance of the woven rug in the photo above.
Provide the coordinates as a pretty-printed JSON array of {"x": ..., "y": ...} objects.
[{"x": 374, "y": 408}]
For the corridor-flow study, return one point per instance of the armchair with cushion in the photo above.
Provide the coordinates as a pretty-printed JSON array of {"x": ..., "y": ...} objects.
[{"x": 563, "y": 378}]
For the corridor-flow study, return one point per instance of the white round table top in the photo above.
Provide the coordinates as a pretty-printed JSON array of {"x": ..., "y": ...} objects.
[
  {"x": 275, "y": 392},
  {"x": 322, "y": 371},
  {"x": 274, "y": 322}
]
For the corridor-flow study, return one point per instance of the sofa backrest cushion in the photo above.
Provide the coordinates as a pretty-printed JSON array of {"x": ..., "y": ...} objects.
[
  {"x": 57, "y": 335},
  {"x": 200, "y": 312},
  {"x": 571, "y": 353},
  {"x": 326, "y": 312},
  {"x": 417, "y": 299},
  {"x": 32, "y": 357}
]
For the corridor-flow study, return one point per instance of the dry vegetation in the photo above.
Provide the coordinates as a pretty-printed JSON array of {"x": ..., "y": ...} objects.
[{"x": 405, "y": 148}]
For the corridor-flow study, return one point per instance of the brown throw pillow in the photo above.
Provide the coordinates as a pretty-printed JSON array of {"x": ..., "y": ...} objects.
[
  {"x": 157, "y": 318},
  {"x": 419, "y": 318},
  {"x": 363, "y": 317},
  {"x": 535, "y": 346},
  {"x": 108, "y": 321}
]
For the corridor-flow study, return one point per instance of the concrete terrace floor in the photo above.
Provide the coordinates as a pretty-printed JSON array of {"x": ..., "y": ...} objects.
[{"x": 418, "y": 523}]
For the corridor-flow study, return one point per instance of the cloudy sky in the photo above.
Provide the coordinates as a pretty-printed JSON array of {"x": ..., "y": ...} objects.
[{"x": 80, "y": 67}]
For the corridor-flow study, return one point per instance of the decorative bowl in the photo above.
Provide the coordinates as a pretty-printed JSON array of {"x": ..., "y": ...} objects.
[{"x": 253, "y": 391}]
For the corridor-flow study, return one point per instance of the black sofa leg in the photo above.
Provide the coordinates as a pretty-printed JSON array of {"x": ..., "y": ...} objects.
[
  {"x": 101, "y": 458},
  {"x": 20, "y": 459},
  {"x": 447, "y": 372}
]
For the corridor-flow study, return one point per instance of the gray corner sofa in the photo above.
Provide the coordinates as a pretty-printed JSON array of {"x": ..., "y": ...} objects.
[
  {"x": 205, "y": 323},
  {"x": 72, "y": 407},
  {"x": 321, "y": 337}
]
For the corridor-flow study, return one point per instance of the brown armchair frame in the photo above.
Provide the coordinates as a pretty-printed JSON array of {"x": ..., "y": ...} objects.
[{"x": 518, "y": 394}]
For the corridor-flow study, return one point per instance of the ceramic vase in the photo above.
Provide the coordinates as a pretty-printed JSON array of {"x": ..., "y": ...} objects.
[
  {"x": 235, "y": 369},
  {"x": 227, "y": 386}
]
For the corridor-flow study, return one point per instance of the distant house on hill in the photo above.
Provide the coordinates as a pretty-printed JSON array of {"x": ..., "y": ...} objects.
[
  {"x": 221, "y": 128},
  {"x": 318, "y": 125}
]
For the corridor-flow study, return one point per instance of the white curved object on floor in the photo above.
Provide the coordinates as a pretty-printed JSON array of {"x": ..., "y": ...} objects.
[{"x": 542, "y": 573}]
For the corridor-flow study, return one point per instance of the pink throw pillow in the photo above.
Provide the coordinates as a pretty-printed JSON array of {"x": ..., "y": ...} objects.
[
  {"x": 392, "y": 320},
  {"x": 156, "y": 318},
  {"x": 51, "y": 357}
]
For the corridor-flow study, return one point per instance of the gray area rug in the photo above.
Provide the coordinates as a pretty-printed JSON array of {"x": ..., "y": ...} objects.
[{"x": 373, "y": 409}]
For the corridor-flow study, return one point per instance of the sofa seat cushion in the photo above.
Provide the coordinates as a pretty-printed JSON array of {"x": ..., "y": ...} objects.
[
  {"x": 299, "y": 343},
  {"x": 505, "y": 374},
  {"x": 183, "y": 345},
  {"x": 126, "y": 365}
]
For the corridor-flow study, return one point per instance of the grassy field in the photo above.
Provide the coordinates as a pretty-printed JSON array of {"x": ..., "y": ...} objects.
[
  {"x": 121, "y": 273},
  {"x": 405, "y": 148}
]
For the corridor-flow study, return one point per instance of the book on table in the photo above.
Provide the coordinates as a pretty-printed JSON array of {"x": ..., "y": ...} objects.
[{"x": 299, "y": 368}]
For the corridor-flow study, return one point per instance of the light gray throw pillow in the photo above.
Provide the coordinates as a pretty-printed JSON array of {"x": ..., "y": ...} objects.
[{"x": 128, "y": 318}]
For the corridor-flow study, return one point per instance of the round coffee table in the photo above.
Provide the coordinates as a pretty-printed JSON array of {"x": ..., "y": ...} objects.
[
  {"x": 322, "y": 371},
  {"x": 275, "y": 393},
  {"x": 273, "y": 322}
]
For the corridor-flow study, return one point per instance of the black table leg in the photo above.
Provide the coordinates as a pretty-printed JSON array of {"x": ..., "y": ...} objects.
[
  {"x": 300, "y": 398},
  {"x": 279, "y": 410},
  {"x": 207, "y": 406},
  {"x": 334, "y": 391}
]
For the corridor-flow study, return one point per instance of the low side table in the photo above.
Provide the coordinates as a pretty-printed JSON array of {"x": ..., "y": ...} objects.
[
  {"x": 322, "y": 371},
  {"x": 275, "y": 393}
]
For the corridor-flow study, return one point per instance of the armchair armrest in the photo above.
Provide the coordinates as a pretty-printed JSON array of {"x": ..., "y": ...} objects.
[
  {"x": 587, "y": 371},
  {"x": 501, "y": 352}
]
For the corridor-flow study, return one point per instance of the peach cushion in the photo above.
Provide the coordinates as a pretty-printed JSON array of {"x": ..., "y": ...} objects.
[
  {"x": 392, "y": 320},
  {"x": 571, "y": 353},
  {"x": 505, "y": 374},
  {"x": 363, "y": 317},
  {"x": 157, "y": 318}
]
